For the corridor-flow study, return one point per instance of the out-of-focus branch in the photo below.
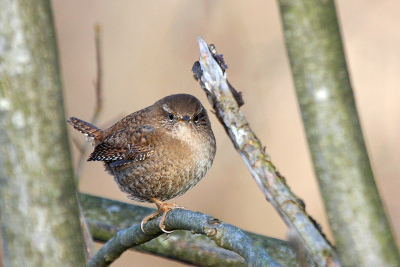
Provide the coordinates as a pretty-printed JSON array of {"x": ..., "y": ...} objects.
[
  {"x": 355, "y": 212},
  {"x": 213, "y": 80},
  {"x": 38, "y": 204},
  {"x": 98, "y": 104},
  {"x": 89, "y": 245},
  {"x": 90, "y": 249},
  {"x": 224, "y": 235},
  {"x": 106, "y": 217},
  {"x": 99, "y": 78}
]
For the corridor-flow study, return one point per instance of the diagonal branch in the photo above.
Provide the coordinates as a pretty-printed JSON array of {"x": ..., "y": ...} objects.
[
  {"x": 224, "y": 235},
  {"x": 213, "y": 81}
]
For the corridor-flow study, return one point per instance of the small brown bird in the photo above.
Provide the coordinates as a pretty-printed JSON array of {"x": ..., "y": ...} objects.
[{"x": 156, "y": 153}]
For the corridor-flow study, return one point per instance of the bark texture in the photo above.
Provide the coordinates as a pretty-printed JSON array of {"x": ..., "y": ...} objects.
[
  {"x": 106, "y": 217},
  {"x": 329, "y": 113},
  {"x": 38, "y": 204},
  {"x": 210, "y": 72}
]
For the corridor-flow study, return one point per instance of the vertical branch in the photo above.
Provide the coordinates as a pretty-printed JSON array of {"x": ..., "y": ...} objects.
[
  {"x": 99, "y": 78},
  {"x": 38, "y": 204},
  {"x": 90, "y": 248},
  {"x": 353, "y": 205},
  {"x": 98, "y": 104}
]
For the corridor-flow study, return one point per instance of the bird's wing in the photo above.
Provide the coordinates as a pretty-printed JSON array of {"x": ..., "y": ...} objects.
[{"x": 125, "y": 146}]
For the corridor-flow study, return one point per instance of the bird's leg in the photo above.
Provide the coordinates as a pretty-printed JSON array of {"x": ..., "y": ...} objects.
[{"x": 163, "y": 208}]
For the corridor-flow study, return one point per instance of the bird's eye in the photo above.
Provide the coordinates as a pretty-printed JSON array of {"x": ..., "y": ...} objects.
[
  {"x": 196, "y": 118},
  {"x": 170, "y": 116}
]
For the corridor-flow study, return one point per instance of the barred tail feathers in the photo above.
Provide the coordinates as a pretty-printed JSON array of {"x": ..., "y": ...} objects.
[{"x": 86, "y": 128}]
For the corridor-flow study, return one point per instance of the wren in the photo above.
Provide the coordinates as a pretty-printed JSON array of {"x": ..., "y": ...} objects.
[{"x": 157, "y": 153}]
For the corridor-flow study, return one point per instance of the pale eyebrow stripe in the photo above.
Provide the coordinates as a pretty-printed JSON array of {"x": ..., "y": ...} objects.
[
  {"x": 198, "y": 111},
  {"x": 165, "y": 107}
]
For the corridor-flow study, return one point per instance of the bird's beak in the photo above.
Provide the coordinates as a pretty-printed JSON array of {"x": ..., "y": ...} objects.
[{"x": 186, "y": 118}]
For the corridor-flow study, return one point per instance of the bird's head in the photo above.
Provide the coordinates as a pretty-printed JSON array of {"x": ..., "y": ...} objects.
[{"x": 182, "y": 114}]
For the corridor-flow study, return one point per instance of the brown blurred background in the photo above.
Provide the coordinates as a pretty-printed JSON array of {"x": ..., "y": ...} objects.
[{"x": 148, "y": 50}]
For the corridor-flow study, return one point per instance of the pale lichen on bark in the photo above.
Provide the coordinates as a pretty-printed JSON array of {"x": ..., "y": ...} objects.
[
  {"x": 224, "y": 235},
  {"x": 38, "y": 204},
  {"x": 213, "y": 80},
  {"x": 354, "y": 208}
]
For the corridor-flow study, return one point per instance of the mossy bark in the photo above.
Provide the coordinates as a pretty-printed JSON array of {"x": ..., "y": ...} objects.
[
  {"x": 351, "y": 198},
  {"x": 107, "y": 217},
  {"x": 38, "y": 204}
]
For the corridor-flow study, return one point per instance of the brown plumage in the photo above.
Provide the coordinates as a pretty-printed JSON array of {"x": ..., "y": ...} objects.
[{"x": 156, "y": 153}]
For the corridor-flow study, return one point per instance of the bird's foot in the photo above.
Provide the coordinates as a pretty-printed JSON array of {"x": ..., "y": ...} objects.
[{"x": 163, "y": 208}]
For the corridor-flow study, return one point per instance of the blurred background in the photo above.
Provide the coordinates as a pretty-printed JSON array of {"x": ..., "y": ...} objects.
[{"x": 149, "y": 48}]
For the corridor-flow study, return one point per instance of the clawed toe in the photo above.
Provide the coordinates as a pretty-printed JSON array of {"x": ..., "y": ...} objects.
[
  {"x": 162, "y": 227},
  {"x": 163, "y": 208}
]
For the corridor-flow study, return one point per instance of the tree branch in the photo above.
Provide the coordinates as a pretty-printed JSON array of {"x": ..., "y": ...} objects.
[
  {"x": 106, "y": 217},
  {"x": 38, "y": 204},
  {"x": 213, "y": 81},
  {"x": 98, "y": 104},
  {"x": 89, "y": 244},
  {"x": 224, "y": 235},
  {"x": 354, "y": 208}
]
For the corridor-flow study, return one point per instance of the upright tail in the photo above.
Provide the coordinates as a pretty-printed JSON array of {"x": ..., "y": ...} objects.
[{"x": 86, "y": 128}]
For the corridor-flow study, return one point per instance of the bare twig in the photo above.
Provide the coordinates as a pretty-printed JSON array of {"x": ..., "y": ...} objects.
[
  {"x": 90, "y": 249},
  {"x": 78, "y": 145},
  {"x": 213, "y": 81},
  {"x": 224, "y": 235},
  {"x": 99, "y": 79},
  {"x": 89, "y": 244},
  {"x": 98, "y": 104},
  {"x": 106, "y": 217}
]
